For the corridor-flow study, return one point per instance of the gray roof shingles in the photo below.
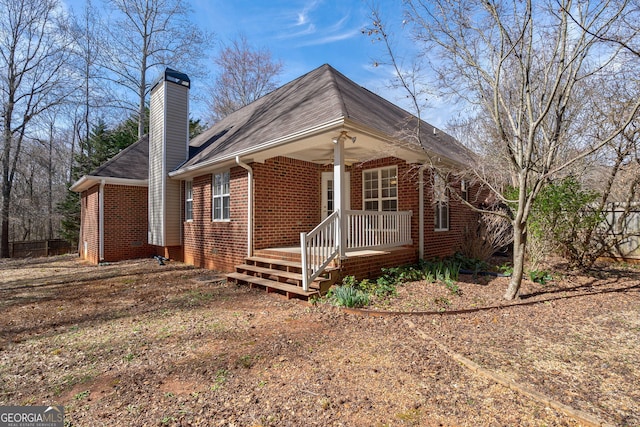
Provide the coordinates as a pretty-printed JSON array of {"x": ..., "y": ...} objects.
[
  {"x": 312, "y": 100},
  {"x": 130, "y": 163}
]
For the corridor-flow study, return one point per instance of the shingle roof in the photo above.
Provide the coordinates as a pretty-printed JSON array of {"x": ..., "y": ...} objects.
[
  {"x": 309, "y": 101},
  {"x": 130, "y": 163}
]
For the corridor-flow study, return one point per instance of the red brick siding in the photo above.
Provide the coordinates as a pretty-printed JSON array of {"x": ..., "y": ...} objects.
[
  {"x": 287, "y": 201},
  {"x": 217, "y": 245},
  {"x": 444, "y": 243},
  {"x": 89, "y": 223},
  {"x": 125, "y": 223},
  {"x": 370, "y": 266}
]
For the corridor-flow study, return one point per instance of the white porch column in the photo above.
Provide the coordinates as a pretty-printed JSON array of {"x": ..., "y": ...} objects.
[{"x": 339, "y": 191}]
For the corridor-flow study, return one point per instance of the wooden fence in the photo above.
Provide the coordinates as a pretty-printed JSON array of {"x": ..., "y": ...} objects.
[
  {"x": 39, "y": 248},
  {"x": 626, "y": 235}
]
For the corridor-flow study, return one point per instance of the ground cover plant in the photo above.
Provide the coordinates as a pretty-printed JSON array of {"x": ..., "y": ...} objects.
[{"x": 135, "y": 343}]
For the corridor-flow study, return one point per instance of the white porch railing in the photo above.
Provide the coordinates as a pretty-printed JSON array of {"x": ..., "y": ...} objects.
[
  {"x": 371, "y": 229},
  {"x": 318, "y": 248},
  {"x": 365, "y": 229}
]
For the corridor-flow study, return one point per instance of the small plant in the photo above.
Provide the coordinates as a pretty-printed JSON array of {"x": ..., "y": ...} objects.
[
  {"x": 540, "y": 276},
  {"x": 129, "y": 357},
  {"x": 82, "y": 395},
  {"x": 506, "y": 269},
  {"x": 442, "y": 303},
  {"x": 246, "y": 361},
  {"x": 221, "y": 378},
  {"x": 349, "y": 296},
  {"x": 167, "y": 420},
  {"x": 453, "y": 287}
]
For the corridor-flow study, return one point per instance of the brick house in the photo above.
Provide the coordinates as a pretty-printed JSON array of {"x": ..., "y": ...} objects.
[{"x": 319, "y": 175}]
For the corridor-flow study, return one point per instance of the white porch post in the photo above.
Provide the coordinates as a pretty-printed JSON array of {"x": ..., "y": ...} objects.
[{"x": 339, "y": 191}]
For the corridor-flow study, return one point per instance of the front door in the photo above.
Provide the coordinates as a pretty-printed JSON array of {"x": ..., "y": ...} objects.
[{"x": 327, "y": 193}]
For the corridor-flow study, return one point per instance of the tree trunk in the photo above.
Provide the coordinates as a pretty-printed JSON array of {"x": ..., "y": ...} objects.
[
  {"x": 4, "y": 245},
  {"x": 519, "y": 245}
]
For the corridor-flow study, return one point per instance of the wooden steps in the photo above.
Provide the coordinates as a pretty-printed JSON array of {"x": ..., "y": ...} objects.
[{"x": 282, "y": 276}]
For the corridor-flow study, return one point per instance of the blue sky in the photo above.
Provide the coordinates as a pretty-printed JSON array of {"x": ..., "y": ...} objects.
[{"x": 305, "y": 34}]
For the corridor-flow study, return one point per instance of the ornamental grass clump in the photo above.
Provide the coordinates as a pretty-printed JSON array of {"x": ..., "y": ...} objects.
[{"x": 349, "y": 296}]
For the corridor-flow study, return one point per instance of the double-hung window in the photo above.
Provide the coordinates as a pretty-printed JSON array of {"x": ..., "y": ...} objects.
[
  {"x": 221, "y": 211},
  {"x": 440, "y": 204},
  {"x": 188, "y": 200},
  {"x": 380, "y": 187}
]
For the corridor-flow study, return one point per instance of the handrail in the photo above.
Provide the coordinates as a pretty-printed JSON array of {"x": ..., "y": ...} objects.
[{"x": 318, "y": 248}]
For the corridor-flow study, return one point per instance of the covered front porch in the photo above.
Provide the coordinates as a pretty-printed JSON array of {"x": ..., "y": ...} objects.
[
  {"x": 370, "y": 241},
  {"x": 365, "y": 174}
]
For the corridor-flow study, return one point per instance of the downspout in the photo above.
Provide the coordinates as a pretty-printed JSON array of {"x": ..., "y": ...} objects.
[
  {"x": 249, "y": 205},
  {"x": 421, "y": 211},
  {"x": 101, "y": 222}
]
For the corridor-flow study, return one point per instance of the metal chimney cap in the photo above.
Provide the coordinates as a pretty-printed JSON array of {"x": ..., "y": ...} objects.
[{"x": 177, "y": 77}]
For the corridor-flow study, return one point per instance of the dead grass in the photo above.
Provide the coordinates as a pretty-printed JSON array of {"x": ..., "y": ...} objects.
[{"x": 135, "y": 343}]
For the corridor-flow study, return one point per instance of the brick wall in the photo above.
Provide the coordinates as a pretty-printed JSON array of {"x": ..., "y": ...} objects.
[
  {"x": 461, "y": 218},
  {"x": 89, "y": 222},
  {"x": 217, "y": 245},
  {"x": 287, "y": 201},
  {"x": 125, "y": 223}
]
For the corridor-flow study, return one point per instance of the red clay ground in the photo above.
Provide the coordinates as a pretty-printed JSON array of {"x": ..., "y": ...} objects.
[{"x": 135, "y": 343}]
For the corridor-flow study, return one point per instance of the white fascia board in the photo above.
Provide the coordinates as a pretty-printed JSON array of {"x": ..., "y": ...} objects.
[
  {"x": 190, "y": 171},
  {"x": 88, "y": 181}
]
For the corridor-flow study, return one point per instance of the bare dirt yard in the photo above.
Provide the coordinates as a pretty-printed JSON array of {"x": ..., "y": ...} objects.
[{"x": 136, "y": 343}]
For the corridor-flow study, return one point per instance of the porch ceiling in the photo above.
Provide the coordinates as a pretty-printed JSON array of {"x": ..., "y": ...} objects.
[{"x": 319, "y": 149}]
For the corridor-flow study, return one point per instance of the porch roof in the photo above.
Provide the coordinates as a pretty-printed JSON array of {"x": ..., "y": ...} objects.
[{"x": 300, "y": 119}]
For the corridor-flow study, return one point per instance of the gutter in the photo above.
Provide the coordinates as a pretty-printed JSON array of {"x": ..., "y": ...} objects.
[
  {"x": 101, "y": 222},
  {"x": 180, "y": 173},
  {"x": 249, "y": 205},
  {"x": 421, "y": 211}
]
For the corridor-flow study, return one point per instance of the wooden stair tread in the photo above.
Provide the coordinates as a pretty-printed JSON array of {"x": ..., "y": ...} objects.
[
  {"x": 274, "y": 272},
  {"x": 274, "y": 261},
  {"x": 283, "y": 262},
  {"x": 270, "y": 271},
  {"x": 271, "y": 284}
]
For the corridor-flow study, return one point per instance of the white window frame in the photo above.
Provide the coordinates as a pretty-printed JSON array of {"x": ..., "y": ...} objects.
[
  {"x": 380, "y": 198},
  {"x": 188, "y": 201},
  {"x": 440, "y": 204},
  {"x": 464, "y": 190},
  {"x": 221, "y": 193}
]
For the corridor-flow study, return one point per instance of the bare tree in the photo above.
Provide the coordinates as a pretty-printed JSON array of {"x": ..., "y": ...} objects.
[
  {"x": 524, "y": 66},
  {"x": 245, "y": 74},
  {"x": 33, "y": 47},
  {"x": 148, "y": 34}
]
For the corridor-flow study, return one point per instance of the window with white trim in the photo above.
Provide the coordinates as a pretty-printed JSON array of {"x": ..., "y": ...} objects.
[
  {"x": 464, "y": 190},
  {"x": 380, "y": 189},
  {"x": 188, "y": 200},
  {"x": 221, "y": 211},
  {"x": 440, "y": 204}
]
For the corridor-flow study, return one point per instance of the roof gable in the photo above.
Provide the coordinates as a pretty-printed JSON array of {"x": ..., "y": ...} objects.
[{"x": 308, "y": 102}]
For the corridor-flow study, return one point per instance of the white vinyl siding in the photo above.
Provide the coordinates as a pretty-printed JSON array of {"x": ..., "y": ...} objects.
[
  {"x": 380, "y": 189},
  {"x": 168, "y": 135},
  {"x": 221, "y": 199}
]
